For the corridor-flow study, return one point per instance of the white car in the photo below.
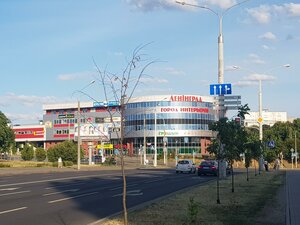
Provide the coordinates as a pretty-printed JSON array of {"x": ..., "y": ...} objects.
[{"x": 185, "y": 165}]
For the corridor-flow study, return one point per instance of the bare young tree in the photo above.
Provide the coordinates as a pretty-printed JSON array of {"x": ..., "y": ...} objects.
[{"x": 120, "y": 88}]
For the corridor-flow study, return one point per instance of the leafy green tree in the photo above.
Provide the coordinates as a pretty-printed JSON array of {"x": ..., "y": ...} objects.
[
  {"x": 27, "y": 152},
  {"x": 40, "y": 154},
  {"x": 67, "y": 150},
  {"x": 7, "y": 136},
  {"x": 232, "y": 136}
]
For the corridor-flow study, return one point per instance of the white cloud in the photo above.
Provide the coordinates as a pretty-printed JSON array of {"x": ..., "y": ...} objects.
[
  {"x": 175, "y": 72},
  {"x": 146, "y": 5},
  {"x": 266, "y": 47},
  {"x": 26, "y": 100},
  {"x": 268, "y": 36},
  {"x": 264, "y": 13},
  {"x": 148, "y": 80},
  {"x": 15, "y": 118},
  {"x": 261, "y": 14},
  {"x": 292, "y": 9},
  {"x": 224, "y": 4},
  {"x": 258, "y": 76},
  {"x": 75, "y": 76},
  {"x": 244, "y": 83},
  {"x": 151, "y": 5},
  {"x": 256, "y": 59}
]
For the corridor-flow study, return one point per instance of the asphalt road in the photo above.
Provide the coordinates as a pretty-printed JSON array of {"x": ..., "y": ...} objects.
[{"x": 82, "y": 197}]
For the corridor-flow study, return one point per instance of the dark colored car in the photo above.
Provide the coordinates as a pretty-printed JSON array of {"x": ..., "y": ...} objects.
[{"x": 208, "y": 167}]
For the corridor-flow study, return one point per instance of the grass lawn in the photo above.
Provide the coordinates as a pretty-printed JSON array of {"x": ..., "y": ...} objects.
[{"x": 246, "y": 206}]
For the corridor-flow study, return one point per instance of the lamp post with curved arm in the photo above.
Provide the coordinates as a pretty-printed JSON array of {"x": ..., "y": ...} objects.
[{"x": 220, "y": 37}]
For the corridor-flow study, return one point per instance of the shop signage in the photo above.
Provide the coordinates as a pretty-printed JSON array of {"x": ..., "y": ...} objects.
[
  {"x": 183, "y": 110},
  {"x": 66, "y": 116},
  {"x": 106, "y": 104},
  {"x": 185, "y": 98}
]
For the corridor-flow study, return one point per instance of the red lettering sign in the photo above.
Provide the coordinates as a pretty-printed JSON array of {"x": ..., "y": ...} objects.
[{"x": 185, "y": 98}]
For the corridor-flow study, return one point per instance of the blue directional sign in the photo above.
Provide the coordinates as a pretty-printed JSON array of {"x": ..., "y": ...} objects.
[
  {"x": 220, "y": 89},
  {"x": 271, "y": 144}
]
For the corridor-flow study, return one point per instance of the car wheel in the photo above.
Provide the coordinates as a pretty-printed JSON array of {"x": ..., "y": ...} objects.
[
  {"x": 191, "y": 171},
  {"x": 176, "y": 171}
]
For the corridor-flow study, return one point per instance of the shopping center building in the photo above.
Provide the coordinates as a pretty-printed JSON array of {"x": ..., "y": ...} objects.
[{"x": 177, "y": 122}]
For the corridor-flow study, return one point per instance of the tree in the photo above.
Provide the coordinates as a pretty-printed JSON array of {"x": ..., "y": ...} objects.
[
  {"x": 27, "y": 152},
  {"x": 67, "y": 150},
  {"x": 7, "y": 136},
  {"x": 120, "y": 87},
  {"x": 40, "y": 154},
  {"x": 232, "y": 139}
]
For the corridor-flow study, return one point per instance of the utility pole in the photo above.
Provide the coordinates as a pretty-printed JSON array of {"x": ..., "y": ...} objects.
[
  {"x": 296, "y": 153},
  {"x": 78, "y": 137},
  {"x": 145, "y": 153}
]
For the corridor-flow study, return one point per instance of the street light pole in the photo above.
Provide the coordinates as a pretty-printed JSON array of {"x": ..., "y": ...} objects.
[
  {"x": 220, "y": 37},
  {"x": 155, "y": 141},
  {"x": 78, "y": 137}
]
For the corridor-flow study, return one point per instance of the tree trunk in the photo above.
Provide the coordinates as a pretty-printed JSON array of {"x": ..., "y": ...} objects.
[
  {"x": 124, "y": 190},
  {"x": 232, "y": 178},
  {"x": 247, "y": 173}
]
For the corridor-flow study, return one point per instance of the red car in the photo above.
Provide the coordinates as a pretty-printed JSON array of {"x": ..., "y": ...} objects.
[{"x": 208, "y": 167}]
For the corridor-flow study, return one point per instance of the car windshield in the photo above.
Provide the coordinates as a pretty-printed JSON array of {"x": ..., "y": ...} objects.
[
  {"x": 208, "y": 163},
  {"x": 183, "y": 162}
]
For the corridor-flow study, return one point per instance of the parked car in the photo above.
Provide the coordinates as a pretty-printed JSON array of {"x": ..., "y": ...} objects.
[
  {"x": 208, "y": 167},
  {"x": 211, "y": 167},
  {"x": 185, "y": 165}
]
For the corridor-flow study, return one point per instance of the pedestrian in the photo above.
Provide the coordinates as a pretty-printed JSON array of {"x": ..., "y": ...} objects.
[{"x": 266, "y": 165}]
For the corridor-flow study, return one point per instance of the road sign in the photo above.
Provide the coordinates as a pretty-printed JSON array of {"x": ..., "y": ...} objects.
[
  {"x": 271, "y": 144},
  {"x": 260, "y": 119},
  {"x": 220, "y": 89}
]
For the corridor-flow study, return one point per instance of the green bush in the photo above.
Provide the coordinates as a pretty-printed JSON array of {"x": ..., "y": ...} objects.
[
  {"x": 27, "y": 153},
  {"x": 40, "y": 154},
  {"x": 55, "y": 164},
  {"x": 67, "y": 150},
  {"x": 68, "y": 163}
]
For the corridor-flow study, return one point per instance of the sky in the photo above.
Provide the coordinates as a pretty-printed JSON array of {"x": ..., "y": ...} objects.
[{"x": 49, "y": 49}]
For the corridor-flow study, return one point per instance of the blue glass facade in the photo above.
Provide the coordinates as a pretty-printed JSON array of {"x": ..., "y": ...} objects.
[{"x": 182, "y": 123}]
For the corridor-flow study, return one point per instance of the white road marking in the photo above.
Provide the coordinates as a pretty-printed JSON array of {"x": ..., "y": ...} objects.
[
  {"x": 151, "y": 181},
  {"x": 9, "y": 189},
  {"x": 57, "y": 179},
  {"x": 130, "y": 193},
  {"x": 65, "y": 185},
  {"x": 60, "y": 192},
  {"x": 12, "y": 210},
  {"x": 78, "y": 196},
  {"x": 120, "y": 187},
  {"x": 14, "y": 193}
]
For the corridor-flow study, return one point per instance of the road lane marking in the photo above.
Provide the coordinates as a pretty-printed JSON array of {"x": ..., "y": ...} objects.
[
  {"x": 12, "y": 210},
  {"x": 65, "y": 185},
  {"x": 130, "y": 193},
  {"x": 77, "y": 196},
  {"x": 152, "y": 181},
  {"x": 120, "y": 187},
  {"x": 14, "y": 193},
  {"x": 57, "y": 179},
  {"x": 9, "y": 189},
  {"x": 60, "y": 192}
]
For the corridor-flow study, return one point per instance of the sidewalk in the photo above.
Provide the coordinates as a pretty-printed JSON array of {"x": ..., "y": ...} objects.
[{"x": 292, "y": 197}]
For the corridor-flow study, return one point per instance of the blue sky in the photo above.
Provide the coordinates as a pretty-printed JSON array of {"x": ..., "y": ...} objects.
[{"x": 47, "y": 50}]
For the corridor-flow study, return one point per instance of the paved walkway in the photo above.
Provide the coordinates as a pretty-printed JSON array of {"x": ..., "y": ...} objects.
[{"x": 293, "y": 197}]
